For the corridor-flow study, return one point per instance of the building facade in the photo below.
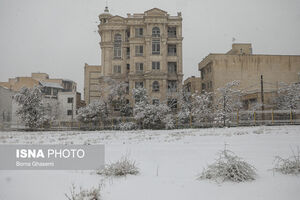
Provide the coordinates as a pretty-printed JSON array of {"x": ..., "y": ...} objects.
[
  {"x": 142, "y": 50},
  {"x": 192, "y": 85},
  {"x": 6, "y": 104},
  {"x": 240, "y": 64},
  {"x": 36, "y": 79},
  {"x": 58, "y": 94}
]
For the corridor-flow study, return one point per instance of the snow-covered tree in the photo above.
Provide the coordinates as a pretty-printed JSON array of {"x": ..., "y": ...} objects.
[
  {"x": 151, "y": 115},
  {"x": 94, "y": 112},
  {"x": 116, "y": 96},
  {"x": 202, "y": 109},
  {"x": 228, "y": 101},
  {"x": 186, "y": 107},
  {"x": 288, "y": 96},
  {"x": 31, "y": 109}
]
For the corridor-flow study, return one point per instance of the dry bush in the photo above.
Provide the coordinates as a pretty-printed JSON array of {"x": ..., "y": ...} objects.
[
  {"x": 289, "y": 165},
  {"x": 122, "y": 167},
  {"x": 87, "y": 194},
  {"x": 229, "y": 167}
]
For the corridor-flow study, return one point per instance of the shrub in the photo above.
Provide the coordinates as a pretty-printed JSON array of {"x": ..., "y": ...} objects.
[
  {"x": 124, "y": 126},
  {"x": 91, "y": 194},
  {"x": 229, "y": 167},
  {"x": 289, "y": 165},
  {"x": 122, "y": 167}
]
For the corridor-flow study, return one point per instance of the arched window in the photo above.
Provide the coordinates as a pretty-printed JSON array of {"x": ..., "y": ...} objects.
[
  {"x": 155, "y": 86},
  {"x": 117, "y": 45},
  {"x": 155, "y": 32}
]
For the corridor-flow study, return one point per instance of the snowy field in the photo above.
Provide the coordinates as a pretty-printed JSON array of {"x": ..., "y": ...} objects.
[{"x": 169, "y": 162}]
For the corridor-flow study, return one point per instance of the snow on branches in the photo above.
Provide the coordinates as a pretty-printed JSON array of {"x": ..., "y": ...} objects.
[
  {"x": 228, "y": 101},
  {"x": 288, "y": 96},
  {"x": 94, "y": 112},
  {"x": 151, "y": 115},
  {"x": 31, "y": 109}
]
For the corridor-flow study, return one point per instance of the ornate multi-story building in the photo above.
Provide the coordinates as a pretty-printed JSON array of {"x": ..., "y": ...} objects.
[{"x": 143, "y": 50}]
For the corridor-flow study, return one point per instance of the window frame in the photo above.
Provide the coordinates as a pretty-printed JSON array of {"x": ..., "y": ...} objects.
[
  {"x": 156, "y": 65},
  {"x": 155, "y": 86},
  {"x": 139, "y": 50}
]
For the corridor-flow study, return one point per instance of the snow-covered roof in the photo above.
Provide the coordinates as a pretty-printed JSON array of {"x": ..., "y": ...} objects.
[{"x": 51, "y": 85}]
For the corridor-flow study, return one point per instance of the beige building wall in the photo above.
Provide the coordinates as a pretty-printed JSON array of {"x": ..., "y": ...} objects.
[
  {"x": 17, "y": 83},
  {"x": 127, "y": 27},
  {"x": 192, "y": 84},
  {"x": 218, "y": 69},
  {"x": 92, "y": 74}
]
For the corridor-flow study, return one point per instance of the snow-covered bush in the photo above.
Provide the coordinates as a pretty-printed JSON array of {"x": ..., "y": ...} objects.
[
  {"x": 152, "y": 116},
  {"x": 229, "y": 167},
  {"x": 289, "y": 165},
  {"x": 94, "y": 112},
  {"x": 124, "y": 126},
  {"x": 85, "y": 194},
  {"x": 288, "y": 96},
  {"x": 31, "y": 109},
  {"x": 122, "y": 167}
]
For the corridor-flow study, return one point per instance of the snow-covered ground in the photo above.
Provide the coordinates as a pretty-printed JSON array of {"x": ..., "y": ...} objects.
[{"x": 169, "y": 162}]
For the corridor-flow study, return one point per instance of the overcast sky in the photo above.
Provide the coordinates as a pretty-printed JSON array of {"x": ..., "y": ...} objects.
[{"x": 59, "y": 36}]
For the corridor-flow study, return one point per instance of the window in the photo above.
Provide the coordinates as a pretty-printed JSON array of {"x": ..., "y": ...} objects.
[
  {"x": 128, "y": 67},
  {"x": 155, "y": 65},
  {"x": 172, "y": 103},
  {"x": 55, "y": 91},
  {"x": 172, "y": 49},
  {"x": 202, "y": 73},
  {"x": 69, "y": 112},
  {"x": 139, "y": 32},
  {"x": 47, "y": 90},
  {"x": 155, "y": 32},
  {"x": 127, "y": 87},
  {"x": 70, "y": 100},
  {"x": 139, "y": 50},
  {"x": 172, "y": 67},
  {"x": 155, "y": 46},
  {"x": 203, "y": 86},
  {"x": 139, "y": 84},
  {"x": 117, "y": 69},
  {"x": 171, "y": 31},
  {"x": 172, "y": 86},
  {"x": 127, "y": 52},
  {"x": 155, "y": 86},
  {"x": 155, "y": 101},
  {"x": 127, "y": 34},
  {"x": 117, "y": 46},
  {"x": 116, "y": 106},
  {"x": 139, "y": 67}
]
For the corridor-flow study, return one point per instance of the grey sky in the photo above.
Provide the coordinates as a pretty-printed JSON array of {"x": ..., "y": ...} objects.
[{"x": 59, "y": 36}]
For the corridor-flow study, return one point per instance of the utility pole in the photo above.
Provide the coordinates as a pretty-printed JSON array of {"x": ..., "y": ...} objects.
[
  {"x": 224, "y": 110},
  {"x": 262, "y": 97}
]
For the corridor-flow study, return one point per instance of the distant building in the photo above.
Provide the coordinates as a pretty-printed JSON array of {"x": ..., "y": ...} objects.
[
  {"x": 143, "y": 50},
  {"x": 17, "y": 83},
  {"x": 6, "y": 105},
  {"x": 192, "y": 85},
  {"x": 59, "y": 94},
  {"x": 240, "y": 64}
]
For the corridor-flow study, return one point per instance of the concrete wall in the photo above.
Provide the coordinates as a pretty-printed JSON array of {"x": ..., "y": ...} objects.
[
  {"x": 248, "y": 70},
  {"x": 6, "y": 104},
  {"x": 64, "y": 106}
]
